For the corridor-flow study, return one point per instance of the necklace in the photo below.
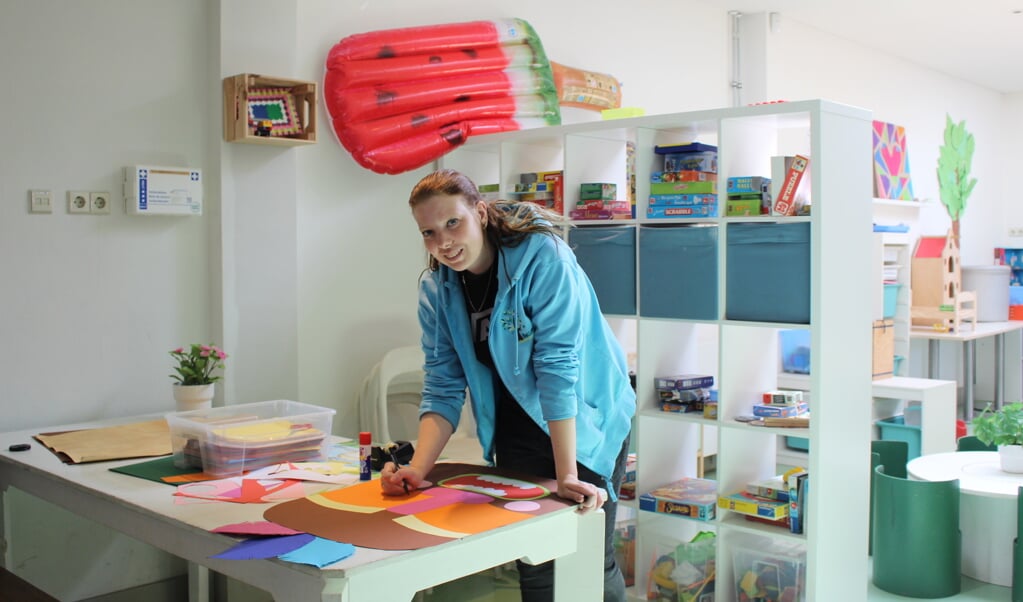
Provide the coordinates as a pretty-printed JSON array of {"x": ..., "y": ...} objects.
[{"x": 486, "y": 293}]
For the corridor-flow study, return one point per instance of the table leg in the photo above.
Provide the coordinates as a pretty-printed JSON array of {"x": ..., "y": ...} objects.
[
  {"x": 198, "y": 583},
  {"x": 933, "y": 358},
  {"x": 999, "y": 370},
  {"x": 580, "y": 576},
  {"x": 969, "y": 350}
]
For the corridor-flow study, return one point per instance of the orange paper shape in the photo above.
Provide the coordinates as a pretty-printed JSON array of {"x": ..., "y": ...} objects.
[{"x": 362, "y": 515}]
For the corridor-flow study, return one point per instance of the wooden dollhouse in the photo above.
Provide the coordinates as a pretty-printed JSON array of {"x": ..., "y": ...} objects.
[{"x": 936, "y": 282}]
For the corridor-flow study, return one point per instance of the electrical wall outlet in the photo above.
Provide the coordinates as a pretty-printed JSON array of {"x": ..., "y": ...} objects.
[
  {"x": 77, "y": 201},
  {"x": 99, "y": 202},
  {"x": 41, "y": 201},
  {"x": 1016, "y": 232}
]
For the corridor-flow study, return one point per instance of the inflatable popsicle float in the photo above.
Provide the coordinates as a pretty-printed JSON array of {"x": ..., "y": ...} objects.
[{"x": 400, "y": 98}]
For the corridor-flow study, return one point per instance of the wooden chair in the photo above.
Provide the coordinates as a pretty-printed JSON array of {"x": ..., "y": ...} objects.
[{"x": 916, "y": 539}]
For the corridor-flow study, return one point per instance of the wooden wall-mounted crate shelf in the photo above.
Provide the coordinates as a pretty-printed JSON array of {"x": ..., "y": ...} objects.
[{"x": 302, "y": 114}]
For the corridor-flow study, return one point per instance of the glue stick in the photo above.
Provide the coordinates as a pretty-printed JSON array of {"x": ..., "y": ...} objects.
[{"x": 365, "y": 455}]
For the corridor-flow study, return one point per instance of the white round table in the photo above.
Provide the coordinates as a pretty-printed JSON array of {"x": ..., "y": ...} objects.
[{"x": 987, "y": 509}]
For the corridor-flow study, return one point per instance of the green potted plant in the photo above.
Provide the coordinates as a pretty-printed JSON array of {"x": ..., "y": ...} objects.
[
  {"x": 1003, "y": 428},
  {"x": 194, "y": 375}
]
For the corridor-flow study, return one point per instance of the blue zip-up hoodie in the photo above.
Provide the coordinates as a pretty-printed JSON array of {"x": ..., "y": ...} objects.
[{"x": 551, "y": 345}]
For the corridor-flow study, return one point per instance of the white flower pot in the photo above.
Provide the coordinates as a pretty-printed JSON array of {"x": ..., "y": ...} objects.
[
  {"x": 1011, "y": 458},
  {"x": 193, "y": 397}
]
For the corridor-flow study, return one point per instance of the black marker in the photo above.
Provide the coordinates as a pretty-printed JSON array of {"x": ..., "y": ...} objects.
[
  {"x": 16, "y": 447},
  {"x": 394, "y": 458}
]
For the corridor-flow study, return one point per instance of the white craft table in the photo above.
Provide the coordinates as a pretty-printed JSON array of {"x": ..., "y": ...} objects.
[
  {"x": 987, "y": 509},
  {"x": 145, "y": 510},
  {"x": 968, "y": 337}
]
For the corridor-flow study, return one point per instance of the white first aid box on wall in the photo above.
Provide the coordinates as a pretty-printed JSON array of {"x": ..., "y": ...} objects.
[{"x": 153, "y": 190}]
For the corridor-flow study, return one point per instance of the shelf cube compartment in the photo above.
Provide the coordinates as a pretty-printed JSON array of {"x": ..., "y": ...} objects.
[
  {"x": 678, "y": 268},
  {"x": 767, "y": 272},
  {"x": 608, "y": 256}
]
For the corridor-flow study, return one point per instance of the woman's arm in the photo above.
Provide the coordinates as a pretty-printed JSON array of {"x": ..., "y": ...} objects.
[
  {"x": 434, "y": 432},
  {"x": 569, "y": 485}
]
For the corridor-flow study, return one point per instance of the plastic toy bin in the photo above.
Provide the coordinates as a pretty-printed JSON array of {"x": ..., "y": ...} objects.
[
  {"x": 230, "y": 440},
  {"x": 767, "y": 272},
  {"x": 678, "y": 272},
  {"x": 608, "y": 256},
  {"x": 766, "y": 570},
  {"x": 896, "y": 429}
]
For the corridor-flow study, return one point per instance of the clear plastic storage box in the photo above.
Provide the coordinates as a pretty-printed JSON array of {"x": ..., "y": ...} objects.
[{"x": 229, "y": 440}]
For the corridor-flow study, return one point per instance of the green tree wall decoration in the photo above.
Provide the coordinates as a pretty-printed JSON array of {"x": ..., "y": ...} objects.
[{"x": 954, "y": 181}]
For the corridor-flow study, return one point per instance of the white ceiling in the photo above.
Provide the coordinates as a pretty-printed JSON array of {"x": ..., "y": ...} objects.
[{"x": 979, "y": 41}]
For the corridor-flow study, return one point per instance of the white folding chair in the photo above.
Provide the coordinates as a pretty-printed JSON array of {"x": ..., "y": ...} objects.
[{"x": 398, "y": 385}]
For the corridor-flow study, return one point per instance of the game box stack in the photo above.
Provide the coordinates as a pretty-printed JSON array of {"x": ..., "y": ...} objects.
[
  {"x": 684, "y": 392},
  {"x": 543, "y": 188},
  {"x": 599, "y": 200},
  {"x": 687, "y": 186},
  {"x": 748, "y": 195},
  {"x": 781, "y": 404}
]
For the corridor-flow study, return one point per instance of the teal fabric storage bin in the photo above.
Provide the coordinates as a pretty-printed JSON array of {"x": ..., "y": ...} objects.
[
  {"x": 678, "y": 268},
  {"x": 608, "y": 256},
  {"x": 767, "y": 272}
]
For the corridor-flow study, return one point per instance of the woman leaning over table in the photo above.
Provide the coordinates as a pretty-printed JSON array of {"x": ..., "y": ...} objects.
[{"x": 506, "y": 311}]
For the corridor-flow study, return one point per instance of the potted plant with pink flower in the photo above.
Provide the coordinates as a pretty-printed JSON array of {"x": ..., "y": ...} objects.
[{"x": 194, "y": 376}]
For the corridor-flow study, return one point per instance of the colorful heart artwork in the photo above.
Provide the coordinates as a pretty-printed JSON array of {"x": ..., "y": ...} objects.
[{"x": 891, "y": 163}]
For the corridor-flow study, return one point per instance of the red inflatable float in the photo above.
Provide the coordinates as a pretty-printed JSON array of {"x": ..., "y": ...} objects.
[{"x": 401, "y": 98}]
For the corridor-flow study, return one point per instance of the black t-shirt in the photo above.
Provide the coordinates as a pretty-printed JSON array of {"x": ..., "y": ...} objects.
[{"x": 518, "y": 441}]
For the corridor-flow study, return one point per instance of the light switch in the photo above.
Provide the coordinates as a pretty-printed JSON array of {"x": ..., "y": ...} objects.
[{"x": 41, "y": 201}]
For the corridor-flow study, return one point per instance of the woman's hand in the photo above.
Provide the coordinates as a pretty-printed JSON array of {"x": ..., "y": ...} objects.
[
  {"x": 587, "y": 495},
  {"x": 401, "y": 481}
]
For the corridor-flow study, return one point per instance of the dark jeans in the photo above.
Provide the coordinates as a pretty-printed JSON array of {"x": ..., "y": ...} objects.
[{"x": 537, "y": 581}]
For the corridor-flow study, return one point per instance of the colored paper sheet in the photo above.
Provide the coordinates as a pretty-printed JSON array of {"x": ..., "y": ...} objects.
[
  {"x": 464, "y": 501},
  {"x": 161, "y": 470},
  {"x": 320, "y": 552},
  {"x": 265, "y": 547},
  {"x": 261, "y": 527}
]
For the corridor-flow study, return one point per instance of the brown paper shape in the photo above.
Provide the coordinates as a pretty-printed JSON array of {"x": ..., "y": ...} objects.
[
  {"x": 134, "y": 440},
  {"x": 363, "y": 516}
]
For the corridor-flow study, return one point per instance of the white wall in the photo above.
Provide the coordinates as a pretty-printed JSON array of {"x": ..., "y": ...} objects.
[
  {"x": 305, "y": 265},
  {"x": 90, "y": 304},
  {"x": 810, "y": 64}
]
